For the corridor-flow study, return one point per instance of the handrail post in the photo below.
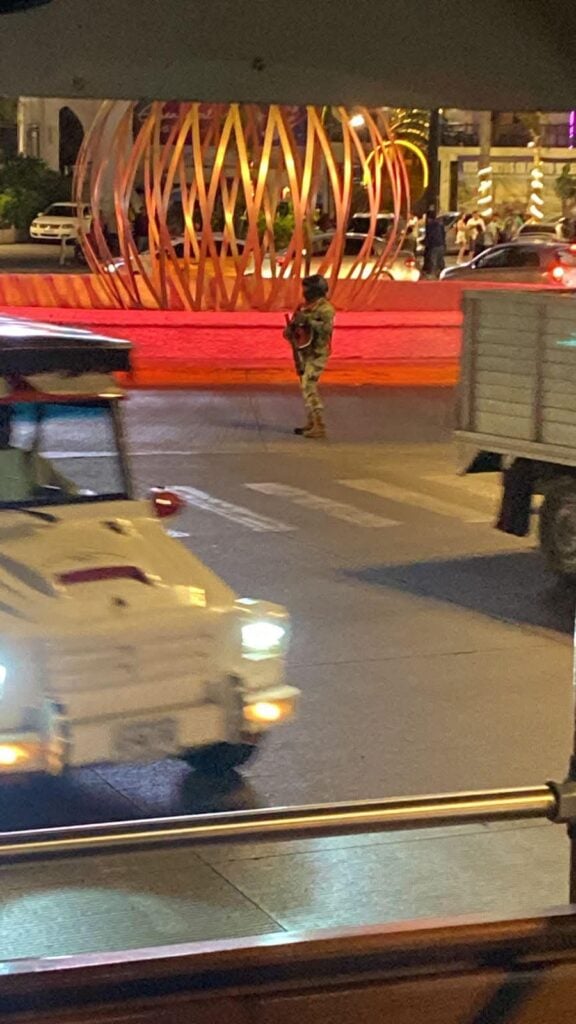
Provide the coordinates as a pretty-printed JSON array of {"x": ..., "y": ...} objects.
[
  {"x": 571, "y": 780},
  {"x": 565, "y": 792},
  {"x": 565, "y": 814}
]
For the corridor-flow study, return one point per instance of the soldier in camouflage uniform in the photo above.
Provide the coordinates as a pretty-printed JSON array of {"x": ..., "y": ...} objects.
[{"x": 310, "y": 333}]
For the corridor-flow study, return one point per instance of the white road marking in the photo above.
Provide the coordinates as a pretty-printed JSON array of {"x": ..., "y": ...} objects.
[
  {"x": 418, "y": 499},
  {"x": 80, "y": 455},
  {"x": 481, "y": 485},
  {"x": 235, "y": 513},
  {"x": 337, "y": 509}
]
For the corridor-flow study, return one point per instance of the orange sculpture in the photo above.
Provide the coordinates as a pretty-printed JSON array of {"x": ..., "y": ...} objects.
[{"x": 219, "y": 185}]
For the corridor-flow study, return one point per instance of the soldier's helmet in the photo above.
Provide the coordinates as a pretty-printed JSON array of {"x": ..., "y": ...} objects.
[{"x": 315, "y": 286}]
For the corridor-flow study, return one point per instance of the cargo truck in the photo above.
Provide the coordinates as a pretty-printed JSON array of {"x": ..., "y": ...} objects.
[{"x": 516, "y": 410}]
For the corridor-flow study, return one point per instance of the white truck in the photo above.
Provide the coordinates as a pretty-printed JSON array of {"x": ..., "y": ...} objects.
[
  {"x": 517, "y": 409},
  {"x": 116, "y": 643}
]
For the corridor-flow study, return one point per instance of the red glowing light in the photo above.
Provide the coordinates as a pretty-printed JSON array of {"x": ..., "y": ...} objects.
[{"x": 166, "y": 503}]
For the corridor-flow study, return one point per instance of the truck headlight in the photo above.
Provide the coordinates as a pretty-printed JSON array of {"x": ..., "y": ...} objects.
[{"x": 262, "y": 637}]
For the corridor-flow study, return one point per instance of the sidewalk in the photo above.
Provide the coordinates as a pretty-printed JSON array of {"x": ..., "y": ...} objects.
[
  {"x": 115, "y": 901},
  {"x": 176, "y": 349}
]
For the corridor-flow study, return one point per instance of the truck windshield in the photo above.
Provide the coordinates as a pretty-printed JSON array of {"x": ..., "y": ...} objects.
[{"x": 59, "y": 454}]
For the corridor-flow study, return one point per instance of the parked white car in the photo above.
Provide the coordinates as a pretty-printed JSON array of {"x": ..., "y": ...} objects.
[
  {"x": 116, "y": 642},
  {"x": 61, "y": 220}
]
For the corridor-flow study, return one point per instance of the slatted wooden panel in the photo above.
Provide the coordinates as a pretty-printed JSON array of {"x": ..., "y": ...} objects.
[
  {"x": 224, "y": 159},
  {"x": 522, "y": 359},
  {"x": 558, "y": 325},
  {"x": 504, "y": 343}
]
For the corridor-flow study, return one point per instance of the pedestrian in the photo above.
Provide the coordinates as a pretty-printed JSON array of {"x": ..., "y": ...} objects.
[
  {"x": 140, "y": 228},
  {"x": 410, "y": 241},
  {"x": 474, "y": 228},
  {"x": 480, "y": 240},
  {"x": 493, "y": 232},
  {"x": 462, "y": 236},
  {"x": 512, "y": 225},
  {"x": 309, "y": 331},
  {"x": 434, "y": 245}
]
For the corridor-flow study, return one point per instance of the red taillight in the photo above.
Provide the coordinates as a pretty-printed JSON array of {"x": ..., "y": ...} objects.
[
  {"x": 166, "y": 503},
  {"x": 410, "y": 262},
  {"x": 558, "y": 273}
]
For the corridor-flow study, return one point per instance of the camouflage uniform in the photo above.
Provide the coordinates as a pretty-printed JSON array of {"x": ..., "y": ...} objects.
[{"x": 310, "y": 361}]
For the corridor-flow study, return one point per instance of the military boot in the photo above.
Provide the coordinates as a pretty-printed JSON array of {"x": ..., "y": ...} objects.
[
  {"x": 318, "y": 428},
  {"x": 308, "y": 425}
]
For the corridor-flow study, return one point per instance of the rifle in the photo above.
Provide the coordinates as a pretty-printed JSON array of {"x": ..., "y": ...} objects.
[{"x": 300, "y": 337}]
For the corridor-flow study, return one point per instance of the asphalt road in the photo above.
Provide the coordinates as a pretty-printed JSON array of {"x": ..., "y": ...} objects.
[
  {"x": 432, "y": 652},
  {"x": 44, "y": 258},
  {"x": 38, "y": 258}
]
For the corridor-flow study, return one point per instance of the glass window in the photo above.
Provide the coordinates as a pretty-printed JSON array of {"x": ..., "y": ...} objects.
[
  {"x": 361, "y": 222},
  {"x": 565, "y": 256},
  {"x": 62, "y": 210},
  {"x": 58, "y": 453},
  {"x": 352, "y": 246},
  {"x": 521, "y": 257},
  {"x": 494, "y": 258}
]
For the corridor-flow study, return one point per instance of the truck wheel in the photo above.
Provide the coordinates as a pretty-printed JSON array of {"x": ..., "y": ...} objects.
[
  {"x": 557, "y": 529},
  {"x": 219, "y": 758}
]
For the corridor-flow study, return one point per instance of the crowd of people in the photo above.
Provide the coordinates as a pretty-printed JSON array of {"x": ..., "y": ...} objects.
[{"x": 474, "y": 234}]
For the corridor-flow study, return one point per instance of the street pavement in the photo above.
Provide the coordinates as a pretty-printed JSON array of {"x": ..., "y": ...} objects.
[
  {"x": 44, "y": 257},
  {"x": 433, "y": 654},
  {"x": 38, "y": 258}
]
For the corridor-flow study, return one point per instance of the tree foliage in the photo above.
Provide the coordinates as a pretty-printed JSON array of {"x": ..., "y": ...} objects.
[{"x": 28, "y": 186}]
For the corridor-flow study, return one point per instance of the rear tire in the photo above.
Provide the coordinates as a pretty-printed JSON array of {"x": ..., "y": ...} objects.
[
  {"x": 219, "y": 758},
  {"x": 557, "y": 528}
]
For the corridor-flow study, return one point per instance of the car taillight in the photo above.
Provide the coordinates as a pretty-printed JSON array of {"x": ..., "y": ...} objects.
[
  {"x": 410, "y": 262},
  {"x": 558, "y": 273}
]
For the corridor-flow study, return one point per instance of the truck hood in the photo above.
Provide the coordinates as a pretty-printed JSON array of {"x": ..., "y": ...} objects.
[{"x": 96, "y": 559}]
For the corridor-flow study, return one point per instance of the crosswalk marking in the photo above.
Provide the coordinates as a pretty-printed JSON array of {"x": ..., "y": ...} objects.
[
  {"x": 419, "y": 499},
  {"x": 235, "y": 513},
  {"x": 337, "y": 509},
  {"x": 481, "y": 485}
]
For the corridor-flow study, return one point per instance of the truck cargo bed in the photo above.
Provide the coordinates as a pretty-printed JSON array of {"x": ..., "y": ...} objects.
[{"x": 518, "y": 377}]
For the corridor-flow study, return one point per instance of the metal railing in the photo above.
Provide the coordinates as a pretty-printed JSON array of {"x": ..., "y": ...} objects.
[
  {"x": 289, "y": 823},
  {"x": 558, "y": 136}
]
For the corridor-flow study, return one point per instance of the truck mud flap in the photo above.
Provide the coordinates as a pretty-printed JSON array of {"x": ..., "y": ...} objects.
[
  {"x": 518, "y": 487},
  {"x": 485, "y": 462}
]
